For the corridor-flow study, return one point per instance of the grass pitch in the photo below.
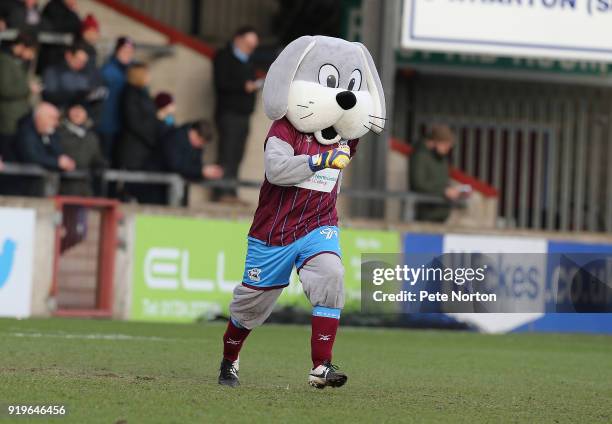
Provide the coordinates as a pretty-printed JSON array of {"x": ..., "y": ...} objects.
[{"x": 120, "y": 372}]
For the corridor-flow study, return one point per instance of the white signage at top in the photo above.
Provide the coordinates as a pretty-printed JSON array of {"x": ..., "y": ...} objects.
[{"x": 555, "y": 29}]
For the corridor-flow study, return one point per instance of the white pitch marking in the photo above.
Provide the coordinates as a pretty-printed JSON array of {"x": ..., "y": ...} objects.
[{"x": 93, "y": 336}]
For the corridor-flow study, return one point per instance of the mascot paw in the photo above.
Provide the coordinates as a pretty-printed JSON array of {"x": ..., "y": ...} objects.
[
  {"x": 337, "y": 158},
  {"x": 341, "y": 157}
]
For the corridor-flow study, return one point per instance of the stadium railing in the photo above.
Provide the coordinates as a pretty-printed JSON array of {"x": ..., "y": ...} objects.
[
  {"x": 51, "y": 180},
  {"x": 153, "y": 50},
  {"x": 175, "y": 185},
  {"x": 409, "y": 199},
  {"x": 44, "y": 37}
]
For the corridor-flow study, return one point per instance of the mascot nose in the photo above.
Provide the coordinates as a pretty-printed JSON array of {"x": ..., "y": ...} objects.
[{"x": 346, "y": 99}]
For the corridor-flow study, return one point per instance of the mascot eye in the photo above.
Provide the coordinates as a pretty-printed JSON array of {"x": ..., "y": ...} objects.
[
  {"x": 329, "y": 76},
  {"x": 355, "y": 81}
]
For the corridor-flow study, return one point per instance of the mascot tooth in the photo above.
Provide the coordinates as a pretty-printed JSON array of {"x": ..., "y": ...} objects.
[{"x": 322, "y": 94}]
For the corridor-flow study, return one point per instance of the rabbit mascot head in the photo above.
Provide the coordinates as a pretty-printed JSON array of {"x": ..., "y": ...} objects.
[{"x": 326, "y": 86}]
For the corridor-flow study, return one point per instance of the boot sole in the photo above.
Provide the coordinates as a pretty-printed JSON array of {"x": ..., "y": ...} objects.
[
  {"x": 334, "y": 382},
  {"x": 338, "y": 381},
  {"x": 228, "y": 383}
]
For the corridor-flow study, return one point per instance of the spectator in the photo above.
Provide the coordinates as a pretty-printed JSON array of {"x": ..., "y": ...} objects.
[
  {"x": 182, "y": 149},
  {"x": 81, "y": 144},
  {"x": 138, "y": 148},
  {"x": 235, "y": 86},
  {"x": 429, "y": 173},
  {"x": 15, "y": 90},
  {"x": 70, "y": 81},
  {"x": 166, "y": 108},
  {"x": 114, "y": 77},
  {"x": 90, "y": 35},
  {"x": 6, "y": 9},
  {"x": 25, "y": 16},
  {"x": 59, "y": 16},
  {"x": 37, "y": 141}
]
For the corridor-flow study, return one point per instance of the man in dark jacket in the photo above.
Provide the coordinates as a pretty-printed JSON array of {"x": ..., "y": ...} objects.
[
  {"x": 6, "y": 9},
  {"x": 24, "y": 16},
  {"x": 429, "y": 173},
  {"x": 182, "y": 149},
  {"x": 15, "y": 90},
  {"x": 71, "y": 81},
  {"x": 37, "y": 142},
  {"x": 235, "y": 86},
  {"x": 138, "y": 147},
  {"x": 58, "y": 16},
  {"x": 79, "y": 142}
]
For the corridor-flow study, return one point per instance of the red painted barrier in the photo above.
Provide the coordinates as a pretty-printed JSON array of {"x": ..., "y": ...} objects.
[
  {"x": 174, "y": 36},
  {"x": 107, "y": 245}
]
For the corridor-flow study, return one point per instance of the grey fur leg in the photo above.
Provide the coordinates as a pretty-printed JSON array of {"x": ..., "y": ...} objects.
[
  {"x": 322, "y": 278},
  {"x": 252, "y": 307}
]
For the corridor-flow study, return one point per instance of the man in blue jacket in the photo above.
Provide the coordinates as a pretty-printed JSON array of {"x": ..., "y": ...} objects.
[{"x": 114, "y": 76}]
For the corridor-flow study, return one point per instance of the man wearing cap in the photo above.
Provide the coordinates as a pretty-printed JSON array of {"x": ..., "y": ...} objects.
[
  {"x": 429, "y": 173},
  {"x": 90, "y": 34}
]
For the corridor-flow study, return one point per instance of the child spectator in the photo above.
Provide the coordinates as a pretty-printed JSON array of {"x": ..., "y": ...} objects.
[{"x": 166, "y": 108}]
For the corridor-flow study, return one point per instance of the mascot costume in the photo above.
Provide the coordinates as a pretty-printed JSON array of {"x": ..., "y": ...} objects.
[{"x": 322, "y": 93}]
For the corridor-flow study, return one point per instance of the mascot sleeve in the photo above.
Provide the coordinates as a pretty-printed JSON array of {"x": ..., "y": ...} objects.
[{"x": 283, "y": 168}]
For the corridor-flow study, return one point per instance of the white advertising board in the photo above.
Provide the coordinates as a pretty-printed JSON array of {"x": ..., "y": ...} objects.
[
  {"x": 16, "y": 261},
  {"x": 555, "y": 29},
  {"x": 515, "y": 249}
]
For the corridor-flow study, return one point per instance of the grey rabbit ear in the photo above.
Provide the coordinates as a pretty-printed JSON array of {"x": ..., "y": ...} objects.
[
  {"x": 281, "y": 74},
  {"x": 375, "y": 88}
]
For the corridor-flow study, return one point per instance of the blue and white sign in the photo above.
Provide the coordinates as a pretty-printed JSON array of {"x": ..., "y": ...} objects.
[
  {"x": 16, "y": 260},
  {"x": 539, "y": 258},
  {"x": 555, "y": 29}
]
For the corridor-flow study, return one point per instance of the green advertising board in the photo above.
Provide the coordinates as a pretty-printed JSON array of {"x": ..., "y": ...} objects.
[{"x": 185, "y": 268}]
